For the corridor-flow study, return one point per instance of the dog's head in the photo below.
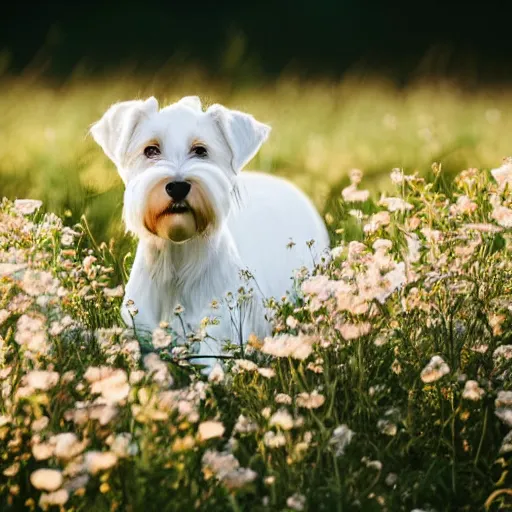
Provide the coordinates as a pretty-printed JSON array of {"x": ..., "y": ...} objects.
[{"x": 179, "y": 164}]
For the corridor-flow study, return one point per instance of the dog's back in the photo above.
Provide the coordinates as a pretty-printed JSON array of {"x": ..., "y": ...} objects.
[{"x": 272, "y": 213}]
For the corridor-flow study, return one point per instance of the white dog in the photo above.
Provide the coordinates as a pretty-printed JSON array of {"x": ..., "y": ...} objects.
[{"x": 199, "y": 221}]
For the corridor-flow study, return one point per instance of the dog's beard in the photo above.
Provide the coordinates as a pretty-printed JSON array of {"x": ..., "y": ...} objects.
[
  {"x": 179, "y": 221},
  {"x": 148, "y": 208}
]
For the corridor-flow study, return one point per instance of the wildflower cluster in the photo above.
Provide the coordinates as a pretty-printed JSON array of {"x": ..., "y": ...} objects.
[{"x": 386, "y": 384}]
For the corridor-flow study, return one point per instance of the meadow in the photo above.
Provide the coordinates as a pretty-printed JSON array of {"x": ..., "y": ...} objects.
[
  {"x": 386, "y": 384},
  {"x": 321, "y": 130}
]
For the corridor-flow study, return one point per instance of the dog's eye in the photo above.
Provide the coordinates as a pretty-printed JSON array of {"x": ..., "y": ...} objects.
[
  {"x": 199, "y": 151},
  {"x": 151, "y": 151}
]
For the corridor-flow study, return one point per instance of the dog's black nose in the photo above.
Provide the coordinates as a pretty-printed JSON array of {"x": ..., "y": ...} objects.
[{"x": 178, "y": 190}]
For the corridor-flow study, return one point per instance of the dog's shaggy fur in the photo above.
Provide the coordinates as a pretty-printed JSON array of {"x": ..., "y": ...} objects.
[{"x": 191, "y": 250}]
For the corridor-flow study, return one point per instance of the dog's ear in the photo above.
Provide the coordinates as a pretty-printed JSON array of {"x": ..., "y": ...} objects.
[
  {"x": 115, "y": 129},
  {"x": 194, "y": 102},
  {"x": 243, "y": 134}
]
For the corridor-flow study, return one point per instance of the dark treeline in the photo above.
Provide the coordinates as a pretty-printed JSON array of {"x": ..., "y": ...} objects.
[{"x": 470, "y": 40}]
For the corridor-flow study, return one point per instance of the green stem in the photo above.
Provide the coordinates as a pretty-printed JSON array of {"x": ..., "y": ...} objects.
[{"x": 480, "y": 444}]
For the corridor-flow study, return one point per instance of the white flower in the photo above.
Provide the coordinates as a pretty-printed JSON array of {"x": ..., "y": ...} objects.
[
  {"x": 37, "y": 283},
  {"x": 435, "y": 369},
  {"x": 397, "y": 176},
  {"x": 27, "y": 206},
  {"x": 356, "y": 250},
  {"x": 118, "y": 291},
  {"x": 158, "y": 369},
  {"x": 30, "y": 333},
  {"x": 281, "y": 419},
  {"x": 372, "y": 464},
  {"x": 382, "y": 244},
  {"x": 42, "y": 451},
  {"x": 283, "y": 398},
  {"x": 111, "y": 383},
  {"x": 122, "y": 445},
  {"x": 285, "y": 345},
  {"x": 217, "y": 374},
  {"x": 506, "y": 445},
  {"x": 352, "y": 194},
  {"x": 319, "y": 285},
  {"x": 472, "y": 391},
  {"x": 505, "y": 415},
  {"x": 57, "y": 327},
  {"x": 377, "y": 220},
  {"x": 504, "y": 399},
  {"x": 67, "y": 445},
  {"x": 160, "y": 338},
  {"x": 387, "y": 427},
  {"x": 503, "y": 216},
  {"x": 4, "y": 314},
  {"x": 292, "y": 322},
  {"x": 40, "y": 379},
  {"x": 336, "y": 252},
  {"x": 433, "y": 236},
  {"x": 464, "y": 205},
  {"x": 316, "y": 366},
  {"x": 245, "y": 425},
  {"x": 394, "y": 204},
  {"x": 413, "y": 247},
  {"x": 391, "y": 479},
  {"x": 59, "y": 497},
  {"x": 136, "y": 376},
  {"x": 341, "y": 438},
  {"x": 99, "y": 461},
  {"x": 40, "y": 424},
  {"x": 239, "y": 478},
  {"x": 242, "y": 365},
  {"x": 46, "y": 479},
  {"x": 354, "y": 331},
  {"x": 273, "y": 440},
  {"x": 503, "y": 175},
  {"x": 392, "y": 281},
  {"x": 220, "y": 464},
  {"x": 503, "y": 352},
  {"x": 296, "y": 502},
  {"x": 68, "y": 236},
  {"x": 268, "y": 373},
  {"x": 312, "y": 400},
  {"x": 210, "y": 429},
  {"x": 357, "y": 214}
]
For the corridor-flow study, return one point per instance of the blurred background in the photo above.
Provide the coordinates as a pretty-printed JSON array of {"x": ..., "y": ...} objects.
[{"x": 345, "y": 84}]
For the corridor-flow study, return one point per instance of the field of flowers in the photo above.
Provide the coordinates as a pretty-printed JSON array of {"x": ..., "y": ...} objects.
[{"x": 387, "y": 384}]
